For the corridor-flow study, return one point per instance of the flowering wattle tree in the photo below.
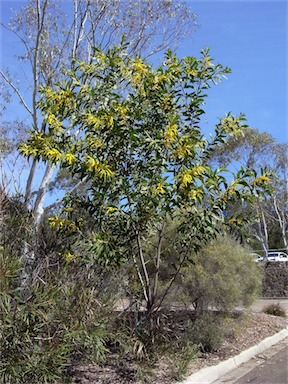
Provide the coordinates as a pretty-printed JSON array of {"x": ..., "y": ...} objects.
[{"x": 133, "y": 132}]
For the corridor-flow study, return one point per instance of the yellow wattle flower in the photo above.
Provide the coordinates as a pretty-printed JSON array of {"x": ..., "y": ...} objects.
[
  {"x": 139, "y": 66},
  {"x": 186, "y": 178},
  {"x": 51, "y": 119},
  {"x": 33, "y": 152},
  {"x": 138, "y": 71},
  {"x": 262, "y": 180},
  {"x": 137, "y": 78},
  {"x": 171, "y": 134},
  {"x": 53, "y": 154},
  {"x": 235, "y": 221},
  {"x": 193, "y": 72},
  {"x": 159, "y": 189},
  {"x": 56, "y": 222},
  {"x": 24, "y": 149},
  {"x": 196, "y": 194},
  {"x": 103, "y": 170},
  {"x": 111, "y": 210},
  {"x": 70, "y": 158},
  {"x": 101, "y": 57},
  {"x": 93, "y": 120},
  {"x": 198, "y": 170},
  {"x": 231, "y": 125},
  {"x": 161, "y": 78},
  {"x": 231, "y": 191},
  {"x": 193, "y": 195},
  {"x": 110, "y": 121},
  {"x": 122, "y": 110},
  {"x": 183, "y": 150}
]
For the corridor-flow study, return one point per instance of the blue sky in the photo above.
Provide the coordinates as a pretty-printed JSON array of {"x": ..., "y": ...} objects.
[{"x": 248, "y": 36}]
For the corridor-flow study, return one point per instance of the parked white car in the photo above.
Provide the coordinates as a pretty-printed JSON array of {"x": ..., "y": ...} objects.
[{"x": 274, "y": 256}]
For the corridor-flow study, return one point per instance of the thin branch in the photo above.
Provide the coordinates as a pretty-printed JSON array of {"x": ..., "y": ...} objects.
[
  {"x": 28, "y": 50},
  {"x": 158, "y": 258},
  {"x": 75, "y": 4},
  {"x": 188, "y": 250},
  {"x": 280, "y": 218},
  {"x": 140, "y": 277},
  {"x": 83, "y": 20},
  {"x": 282, "y": 221},
  {"x": 16, "y": 90},
  {"x": 264, "y": 226},
  {"x": 143, "y": 264},
  {"x": 59, "y": 201},
  {"x": 79, "y": 32},
  {"x": 173, "y": 278},
  {"x": 261, "y": 237}
]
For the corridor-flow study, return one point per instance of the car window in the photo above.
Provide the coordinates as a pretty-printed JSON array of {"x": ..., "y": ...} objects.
[{"x": 274, "y": 256}]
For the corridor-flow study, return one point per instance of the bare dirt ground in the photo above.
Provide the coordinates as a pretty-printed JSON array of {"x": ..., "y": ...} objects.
[
  {"x": 259, "y": 326},
  {"x": 256, "y": 327}
]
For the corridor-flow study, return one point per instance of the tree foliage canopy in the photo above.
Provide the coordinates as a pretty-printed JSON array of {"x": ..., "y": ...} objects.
[
  {"x": 51, "y": 34},
  {"x": 133, "y": 131}
]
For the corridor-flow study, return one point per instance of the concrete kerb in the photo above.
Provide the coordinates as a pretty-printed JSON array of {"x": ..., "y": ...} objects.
[{"x": 209, "y": 374}]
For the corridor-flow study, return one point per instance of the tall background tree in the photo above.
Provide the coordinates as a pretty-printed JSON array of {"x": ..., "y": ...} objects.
[{"x": 256, "y": 150}]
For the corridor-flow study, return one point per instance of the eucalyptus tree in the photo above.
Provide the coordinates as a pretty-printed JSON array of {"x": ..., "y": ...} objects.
[{"x": 256, "y": 150}]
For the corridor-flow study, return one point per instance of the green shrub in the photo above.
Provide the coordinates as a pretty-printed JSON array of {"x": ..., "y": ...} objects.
[
  {"x": 223, "y": 276},
  {"x": 181, "y": 359},
  {"x": 275, "y": 310},
  {"x": 47, "y": 327},
  {"x": 207, "y": 332}
]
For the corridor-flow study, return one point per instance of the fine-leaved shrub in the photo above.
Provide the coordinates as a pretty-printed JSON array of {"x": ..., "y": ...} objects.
[
  {"x": 223, "y": 276},
  {"x": 46, "y": 327},
  {"x": 207, "y": 332}
]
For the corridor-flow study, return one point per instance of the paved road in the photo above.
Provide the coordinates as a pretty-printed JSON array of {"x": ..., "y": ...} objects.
[
  {"x": 273, "y": 371},
  {"x": 269, "y": 367}
]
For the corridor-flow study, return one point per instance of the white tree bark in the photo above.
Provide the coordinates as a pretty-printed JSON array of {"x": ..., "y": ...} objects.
[
  {"x": 39, "y": 203},
  {"x": 260, "y": 232},
  {"x": 282, "y": 220}
]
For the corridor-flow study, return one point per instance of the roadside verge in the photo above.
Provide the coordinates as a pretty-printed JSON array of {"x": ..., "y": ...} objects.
[{"x": 209, "y": 374}]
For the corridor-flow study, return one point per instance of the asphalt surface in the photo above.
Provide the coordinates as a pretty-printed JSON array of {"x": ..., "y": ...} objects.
[
  {"x": 268, "y": 367},
  {"x": 273, "y": 371}
]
